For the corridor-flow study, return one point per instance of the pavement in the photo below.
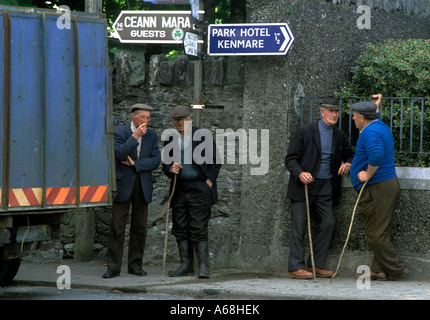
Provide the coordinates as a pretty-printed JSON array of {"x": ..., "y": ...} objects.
[{"x": 223, "y": 284}]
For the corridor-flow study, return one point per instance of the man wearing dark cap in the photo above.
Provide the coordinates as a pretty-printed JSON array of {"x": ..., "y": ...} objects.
[
  {"x": 317, "y": 156},
  {"x": 192, "y": 159},
  {"x": 374, "y": 163},
  {"x": 136, "y": 155}
]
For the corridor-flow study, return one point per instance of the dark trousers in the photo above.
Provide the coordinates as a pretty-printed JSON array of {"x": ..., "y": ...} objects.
[
  {"x": 378, "y": 202},
  {"x": 191, "y": 210},
  {"x": 138, "y": 230},
  {"x": 321, "y": 203}
]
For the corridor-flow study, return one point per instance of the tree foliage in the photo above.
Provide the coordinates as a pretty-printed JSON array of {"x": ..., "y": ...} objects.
[
  {"x": 398, "y": 69},
  {"x": 394, "y": 68}
]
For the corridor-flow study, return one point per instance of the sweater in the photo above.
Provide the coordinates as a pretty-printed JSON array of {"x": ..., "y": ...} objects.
[
  {"x": 326, "y": 134},
  {"x": 375, "y": 147}
]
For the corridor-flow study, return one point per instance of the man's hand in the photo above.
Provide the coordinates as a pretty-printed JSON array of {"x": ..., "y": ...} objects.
[
  {"x": 306, "y": 178},
  {"x": 175, "y": 168},
  {"x": 377, "y": 99},
  {"x": 362, "y": 176},
  {"x": 344, "y": 168},
  {"x": 209, "y": 182},
  {"x": 140, "y": 131},
  {"x": 128, "y": 162}
]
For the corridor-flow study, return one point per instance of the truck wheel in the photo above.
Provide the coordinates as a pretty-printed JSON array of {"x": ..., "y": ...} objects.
[{"x": 8, "y": 270}]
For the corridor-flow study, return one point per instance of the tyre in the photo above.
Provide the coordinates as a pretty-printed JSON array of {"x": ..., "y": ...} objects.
[{"x": 8, "y": 270}]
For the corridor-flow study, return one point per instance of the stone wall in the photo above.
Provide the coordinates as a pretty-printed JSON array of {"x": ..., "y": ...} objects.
[
  {"x": 164, "y": 83},
  {"x": 250, "y": 224}
]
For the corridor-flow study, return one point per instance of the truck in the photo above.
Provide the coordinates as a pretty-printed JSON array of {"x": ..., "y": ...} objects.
[{"x": 56, "y": 135}]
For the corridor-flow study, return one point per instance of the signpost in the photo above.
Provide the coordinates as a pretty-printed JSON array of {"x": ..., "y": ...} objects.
[
  {"x": 249, "y": 39},
  {"x": 166, "y": 27}
]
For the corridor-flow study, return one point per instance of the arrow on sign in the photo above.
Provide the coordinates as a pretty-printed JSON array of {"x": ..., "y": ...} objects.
[{"x": 249, "y": 39}]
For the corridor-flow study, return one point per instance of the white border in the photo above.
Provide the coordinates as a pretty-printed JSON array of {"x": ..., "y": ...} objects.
[
  {"x": 149, "y": 12},
  {"x": 284, "y": 24}
]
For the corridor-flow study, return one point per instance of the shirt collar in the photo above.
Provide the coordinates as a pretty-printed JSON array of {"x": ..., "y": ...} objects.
[
  {"x": 132, "y": 127},
  {"x": 368, "y": 124}
]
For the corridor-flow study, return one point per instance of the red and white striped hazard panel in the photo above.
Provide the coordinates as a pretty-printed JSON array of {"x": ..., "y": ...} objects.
[{"x": 24, "y": 197}]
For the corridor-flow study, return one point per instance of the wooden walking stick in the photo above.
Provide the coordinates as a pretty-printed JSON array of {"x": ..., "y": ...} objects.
[
  {"x": 309, "y": 232},
  {"x": 349, "y": 231},
  {"x": 167, "y": 227}
]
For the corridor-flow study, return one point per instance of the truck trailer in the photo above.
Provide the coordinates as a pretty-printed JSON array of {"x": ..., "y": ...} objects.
[{"x": 56, "y": 137}]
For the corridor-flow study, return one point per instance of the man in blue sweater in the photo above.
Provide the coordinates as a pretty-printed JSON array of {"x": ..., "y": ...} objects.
[{"x": 374, "y": 162}]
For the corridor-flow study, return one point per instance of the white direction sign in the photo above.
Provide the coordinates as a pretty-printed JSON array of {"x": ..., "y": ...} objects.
[
  {"x": 191, "y": 44},
  {"x": 153, "y": 26}
]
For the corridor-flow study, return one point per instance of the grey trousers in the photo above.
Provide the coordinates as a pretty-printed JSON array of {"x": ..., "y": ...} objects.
[{"x": 321, "y": 203}]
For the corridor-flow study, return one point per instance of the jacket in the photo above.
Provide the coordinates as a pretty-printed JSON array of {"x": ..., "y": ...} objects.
[
  {"x": 148, "y": 160},
  {"x": 304, "y": 155},
  {"x": 207, "y": 169}
]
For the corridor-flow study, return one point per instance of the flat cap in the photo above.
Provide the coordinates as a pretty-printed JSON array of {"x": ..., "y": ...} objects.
[
  {"x": 179, "y": 112},
  {"x": 140, "y": 106},
  {"x": 365, "y": 108},
  {"x": 331, "y": 102}
]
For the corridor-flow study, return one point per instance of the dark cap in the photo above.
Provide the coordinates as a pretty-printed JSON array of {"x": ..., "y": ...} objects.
[
  {"x": 179, "y": 112},
  {"x": 140, "y": 106},
  {"x": 331, "y": 102},
  {"x": 365, "y": 108}
]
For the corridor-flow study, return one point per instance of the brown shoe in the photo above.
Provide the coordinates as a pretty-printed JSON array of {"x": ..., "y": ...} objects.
[
  {"x": 301, "y": 274},
  {"x": 321, "y": 273},
  {"x": 381, "y": 276},
  {"x": 396, "y": 276}
]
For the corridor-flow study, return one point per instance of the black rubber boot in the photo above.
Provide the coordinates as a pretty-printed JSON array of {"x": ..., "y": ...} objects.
[
  {"x": 186, "y": 255},
  {"x": 203, "y": 256}
]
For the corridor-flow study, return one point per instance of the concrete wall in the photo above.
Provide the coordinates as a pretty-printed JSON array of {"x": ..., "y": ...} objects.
[{"x": 327, "y": 42}]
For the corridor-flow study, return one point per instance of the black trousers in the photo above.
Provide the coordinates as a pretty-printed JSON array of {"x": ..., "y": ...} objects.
[
  {"x": 321, "y": 203},
  {"x": 138, "y": 230},
  {"x": 191, "y": 210}
]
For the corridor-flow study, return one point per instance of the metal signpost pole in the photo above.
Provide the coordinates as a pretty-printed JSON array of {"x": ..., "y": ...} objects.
[{"x": 198, "y": 79}]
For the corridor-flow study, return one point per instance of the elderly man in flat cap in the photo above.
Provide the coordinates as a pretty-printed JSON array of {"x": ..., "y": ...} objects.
[
  {"x": 374, "y": 163},
  {"x": 317, "y": 156},
  {"x": 195, "y": 191},
  {"x": 136, "y": 155}
]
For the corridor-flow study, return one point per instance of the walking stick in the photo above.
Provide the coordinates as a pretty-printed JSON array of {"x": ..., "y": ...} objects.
[
  {"x": 309, "y": 233},
  {"x": 167, "y": 227},
  {"x": 349, "y": 232}
]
